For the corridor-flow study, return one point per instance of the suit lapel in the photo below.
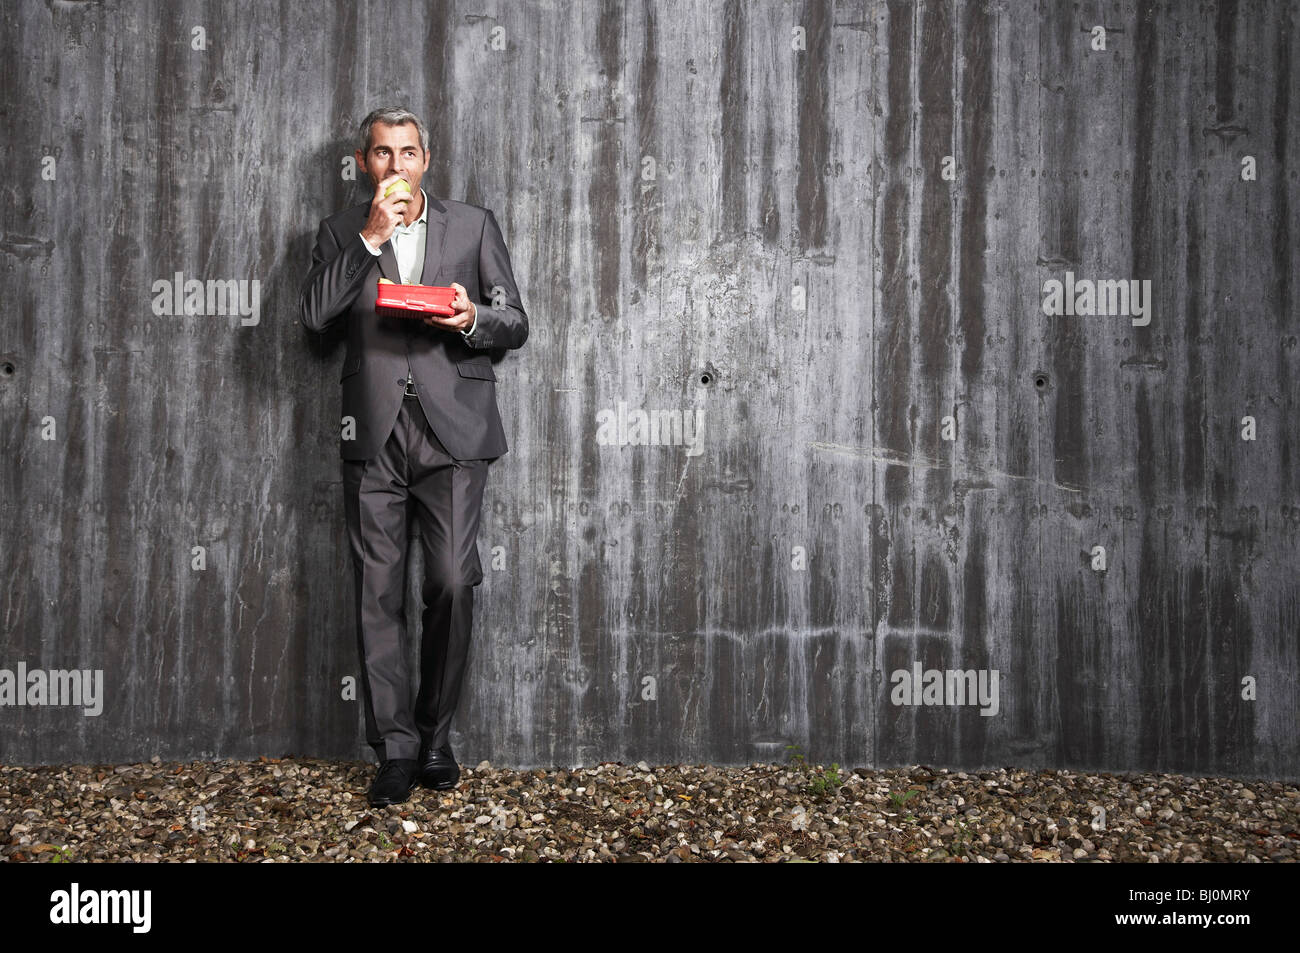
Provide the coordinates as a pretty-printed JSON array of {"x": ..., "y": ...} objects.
[
  {"x": 433, "y": 238},
  {"x": 388, "y": 263},
  {"x": 436, "y": 231},
  {"x": 387, "y": 257}
]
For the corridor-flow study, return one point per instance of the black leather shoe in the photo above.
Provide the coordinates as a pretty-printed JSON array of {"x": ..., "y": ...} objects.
[
  {"x": 438, "y": 769},
  {"x": 392, "y": 784}
]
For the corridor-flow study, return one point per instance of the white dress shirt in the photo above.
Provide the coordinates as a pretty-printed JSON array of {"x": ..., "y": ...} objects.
[{"x": 408, "y": 245}]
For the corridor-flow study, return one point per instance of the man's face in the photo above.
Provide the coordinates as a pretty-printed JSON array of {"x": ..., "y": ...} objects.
[{"x": 395, "y": 149}]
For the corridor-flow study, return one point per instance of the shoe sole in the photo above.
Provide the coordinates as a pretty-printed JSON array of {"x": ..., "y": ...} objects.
[{"x": 440, "y": 786}]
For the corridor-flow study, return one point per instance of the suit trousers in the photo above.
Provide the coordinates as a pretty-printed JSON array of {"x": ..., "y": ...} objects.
[{"x": 413, "y": 475}]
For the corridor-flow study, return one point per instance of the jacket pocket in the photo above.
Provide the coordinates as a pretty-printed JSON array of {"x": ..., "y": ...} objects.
[
  {"x": 350, "y": 366},
  {"x": 480, "y": 370}
]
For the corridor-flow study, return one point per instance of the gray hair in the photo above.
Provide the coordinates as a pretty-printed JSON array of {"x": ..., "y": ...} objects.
[{"x": 391, "y": 116}]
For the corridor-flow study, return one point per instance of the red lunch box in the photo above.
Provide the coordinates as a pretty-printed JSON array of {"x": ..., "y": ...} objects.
[{"x": 413, "y": 301}]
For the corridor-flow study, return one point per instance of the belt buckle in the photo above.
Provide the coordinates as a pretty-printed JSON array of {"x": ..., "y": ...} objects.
[{"x": 408, "y": 388}]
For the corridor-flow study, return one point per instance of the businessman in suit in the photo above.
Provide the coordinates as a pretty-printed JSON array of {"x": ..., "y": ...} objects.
[{"x": 420, "y": 426}]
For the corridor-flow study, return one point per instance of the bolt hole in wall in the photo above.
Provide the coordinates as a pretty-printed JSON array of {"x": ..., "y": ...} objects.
[
  {"x": 6, "y": 369},
  {"x": 1040, "y": 381}
]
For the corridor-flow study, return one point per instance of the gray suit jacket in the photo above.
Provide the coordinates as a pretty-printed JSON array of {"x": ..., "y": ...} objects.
[{"x": 454, "y": 377}]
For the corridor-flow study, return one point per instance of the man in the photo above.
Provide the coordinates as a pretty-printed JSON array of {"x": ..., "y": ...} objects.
[{"x": 420, "y": 427}]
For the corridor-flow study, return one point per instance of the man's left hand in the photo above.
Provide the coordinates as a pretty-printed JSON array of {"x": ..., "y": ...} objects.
[{"x": 465, "y": 310}]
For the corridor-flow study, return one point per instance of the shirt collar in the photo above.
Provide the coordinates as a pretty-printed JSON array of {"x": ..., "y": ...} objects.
[{"x": 422, "y": 220}]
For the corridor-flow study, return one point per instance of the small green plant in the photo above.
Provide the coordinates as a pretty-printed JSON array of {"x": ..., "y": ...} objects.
[
  {"x": 823, "y": 782},
  {"x": 275, "y": 847},
  {"x": 384, "y": 842},
  {"x": 61, "y": 856},
  {"x": 826, "y": 782},
  {"x": 901, "y": 799}
]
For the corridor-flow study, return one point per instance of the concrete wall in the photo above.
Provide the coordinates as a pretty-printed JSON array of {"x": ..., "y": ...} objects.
[{"x": 732, "y": 209}]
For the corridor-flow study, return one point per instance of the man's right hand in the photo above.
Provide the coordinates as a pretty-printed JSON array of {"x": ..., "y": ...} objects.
[{"x": 385, "y": 213}]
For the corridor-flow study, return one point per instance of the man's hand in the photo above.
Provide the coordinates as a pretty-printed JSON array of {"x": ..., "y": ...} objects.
[
  {"x": 465, "y": 310},
  {"x": 385, "y": 213}
]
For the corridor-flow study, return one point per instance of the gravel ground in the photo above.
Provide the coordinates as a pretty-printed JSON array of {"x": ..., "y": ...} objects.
[{"x": 301, "y": 809}]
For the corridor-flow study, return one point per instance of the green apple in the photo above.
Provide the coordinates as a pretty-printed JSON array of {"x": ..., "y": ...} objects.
[{"x": 401, "y": 185}]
